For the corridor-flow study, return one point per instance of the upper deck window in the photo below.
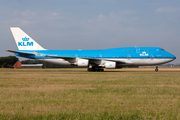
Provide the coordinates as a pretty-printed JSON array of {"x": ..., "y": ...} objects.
[
  {"x": 162, "y": 50},
  {"x": 145, "y": 50},
  {"x": 136, "y": 50},
  {"x": 129, "y": 50}
]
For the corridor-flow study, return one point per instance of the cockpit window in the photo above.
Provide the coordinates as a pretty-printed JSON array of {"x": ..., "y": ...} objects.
[{"x": 162, "y": 50}]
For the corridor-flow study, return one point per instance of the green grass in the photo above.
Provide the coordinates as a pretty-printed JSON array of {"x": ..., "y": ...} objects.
[{"x": 77, "y": 94}]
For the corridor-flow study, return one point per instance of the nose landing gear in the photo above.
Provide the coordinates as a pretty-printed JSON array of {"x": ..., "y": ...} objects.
[{"x": 156, "y": 70}]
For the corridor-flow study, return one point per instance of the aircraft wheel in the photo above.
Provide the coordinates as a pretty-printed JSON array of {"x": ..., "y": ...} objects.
[
  {"x": 94, "y": 70},
  {"x": 101, "y": 70},
  {"x": 90, "y": 69},
  {"x": 156, "y": 69}
]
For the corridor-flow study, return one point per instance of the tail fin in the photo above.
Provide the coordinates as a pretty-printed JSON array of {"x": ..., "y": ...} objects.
[{"x": 24, "y": 41}]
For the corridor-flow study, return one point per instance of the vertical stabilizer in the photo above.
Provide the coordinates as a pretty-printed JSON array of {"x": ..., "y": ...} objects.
[{"x": 24, "y": 41}]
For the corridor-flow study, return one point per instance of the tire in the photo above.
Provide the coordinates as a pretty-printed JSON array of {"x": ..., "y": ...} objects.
[{"x": 156, "y": 70}]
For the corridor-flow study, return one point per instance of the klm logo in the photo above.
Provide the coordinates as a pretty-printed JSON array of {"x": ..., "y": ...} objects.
[
  {"x": 144, "y": 54},
  {"x": 25, "y": 42}
]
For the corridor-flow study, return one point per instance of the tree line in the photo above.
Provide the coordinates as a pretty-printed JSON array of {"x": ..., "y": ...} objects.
[{"x": 8, "y": 62}]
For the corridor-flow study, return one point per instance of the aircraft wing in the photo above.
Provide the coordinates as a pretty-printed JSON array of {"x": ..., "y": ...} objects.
[
  {"x": 99, "y": 59},
  {"x": 61, "y": 57},
  {"x": 69, "y": 59},
  {"x": 90, "y": 59}
]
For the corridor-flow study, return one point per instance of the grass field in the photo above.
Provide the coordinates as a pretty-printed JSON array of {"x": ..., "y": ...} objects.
[{"x": 138, "y": 93}]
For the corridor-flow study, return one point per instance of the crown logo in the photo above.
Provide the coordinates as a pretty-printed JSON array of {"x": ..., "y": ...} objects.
[{"x": 25, "y": 39}]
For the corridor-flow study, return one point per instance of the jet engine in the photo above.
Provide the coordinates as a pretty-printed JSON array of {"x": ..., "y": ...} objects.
[
  {"x": 110, "y": 65},
  {"x": 83, "y": 63}
]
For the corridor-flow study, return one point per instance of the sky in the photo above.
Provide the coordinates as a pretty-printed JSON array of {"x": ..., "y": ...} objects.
[{"x": 92, "y": 24}]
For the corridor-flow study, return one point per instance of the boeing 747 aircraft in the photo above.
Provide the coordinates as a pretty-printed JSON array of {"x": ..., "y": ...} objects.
[{"x": 94, "y": 60}]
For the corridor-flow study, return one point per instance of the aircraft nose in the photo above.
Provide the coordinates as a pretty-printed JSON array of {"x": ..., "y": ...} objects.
[
  {"x": 173, "y": 56},
  {"x": 170, "y": 59}
]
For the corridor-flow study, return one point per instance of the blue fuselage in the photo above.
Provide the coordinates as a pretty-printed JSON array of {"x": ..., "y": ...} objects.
[{"x": 115, "y": 53}]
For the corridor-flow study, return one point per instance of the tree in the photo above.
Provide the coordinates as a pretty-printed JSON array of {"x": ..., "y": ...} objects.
[
  {"x": 8, "y": 61},
  {"x": 5, "y": 65}
]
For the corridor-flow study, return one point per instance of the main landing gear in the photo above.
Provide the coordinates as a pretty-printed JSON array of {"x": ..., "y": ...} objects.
[
  {"x": 156, "y": 70},
  {"x": 95, "y": 69}
]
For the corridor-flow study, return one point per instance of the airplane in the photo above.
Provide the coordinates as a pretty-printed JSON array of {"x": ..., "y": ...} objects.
[{"x": 94, "y": 60}]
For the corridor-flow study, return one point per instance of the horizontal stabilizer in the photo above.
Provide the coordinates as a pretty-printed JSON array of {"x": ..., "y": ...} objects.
[{"x": 19, "y": 52}]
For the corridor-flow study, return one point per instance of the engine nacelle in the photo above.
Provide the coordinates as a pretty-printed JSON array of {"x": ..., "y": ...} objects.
[
  {"x": 110, "y": 65},
  {"x": 83, "y": 63}
]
